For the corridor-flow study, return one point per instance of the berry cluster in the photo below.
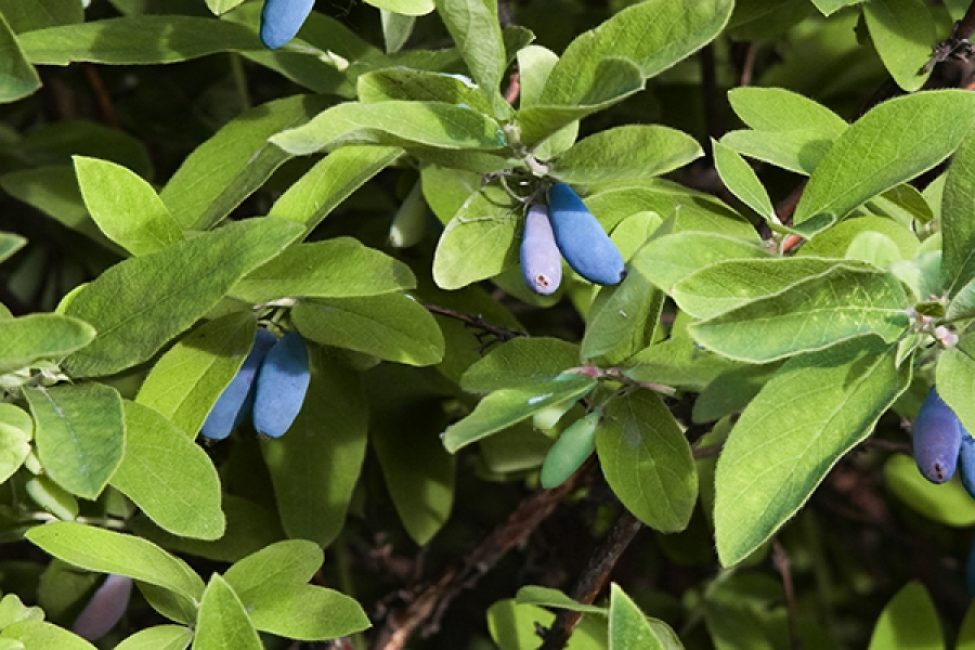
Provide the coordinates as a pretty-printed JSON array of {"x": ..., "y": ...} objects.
[
  {"x": 942, "y": 444},
  {"x": 566, "y": 228},
  {"x": 270, "y": 385}
]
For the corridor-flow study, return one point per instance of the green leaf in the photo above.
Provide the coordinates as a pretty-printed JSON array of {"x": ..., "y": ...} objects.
[
  {"x": 80, "y": 434},
  {"x": 393, "y": 327},
  {"x": 908, "y": 621},
  {"x": 332, "y": 180},
  {"x": 28, "y": 16},
  {"x": 16, "y": 431},
  {"x": 797, "y": 151},
  {"x": 668, "y": 259},
  {"x": 779, "y": 110},
  {"x": 284, "y": 565},
  {"x": 140, "y": 304},
  {"x": 219, "y": 7},
  {"x": 397, "y": 29},
  {"x": 222, "y": 622},
  {"x": 892, "y": 143},
  {"x": 38, "y": 634},
  {"x": 308, "y": 613},
  {"x": 334, "y": 268},
  {"x": 480, "y": 240},
  {"x": 654, "y": 34},
  {"x": 628, "y": 627},
  {"x": 236, "y": 161},
  {"x": 956, "y": 378},
  {"x": 125, "y": 207},
  {"x": 554, "y": 599},
  {"x": 316, "y": 465},
  {"x": 742, "y": 181},
  {"x": 420, "y": 85},
  {"x": 613, "y": 80},
  {"x": 53, "y": 189},
  {"x": 520, "y": 361},
  {"x": 35, "y": 337},
  {"x": 957, "y": 228},
  {"x": 168, "y": 476},
  {"x": 96, "y": 549},
  {"x": 904, "y": 33},
  {"x": 843, "y": 303},
  {"x": 724, "y": 286},
  {"x": 419, "y": 474},
  {"x": 814, "y": 410},
  {"x": 188, "y": 379},
  {"x": 158, "y": 637},
  {"x": 948, "y": 504},
  {"x": 18, "y": 78},
  {"x": 401, "y": 123},
  {"x": 136, "y": 40},
  {"x": 404, "y": 7},
  {"x": 10, "y": 244},
  {"x": 52, "y": 497},
  {"x": 622, "y": 320},
  {"x": 647, "y": 461},
  {"x": 828, "y": 7},
  {"x": 514, "y": 626},
  {"x": 631, "y": 152},
  {"x": 473, "y": 24},
  {"x": 508, "y": 406}
]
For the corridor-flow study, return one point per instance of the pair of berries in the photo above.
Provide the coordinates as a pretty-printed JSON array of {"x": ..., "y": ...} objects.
[
  {"x": 281, "y": 20},
  {"x": 566, "y": 228},
  {"x": 942, "y": 444},
  {"x": 270, "y": 385}
]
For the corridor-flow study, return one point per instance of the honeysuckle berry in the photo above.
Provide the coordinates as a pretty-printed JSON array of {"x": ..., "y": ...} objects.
[
  {"x": 541, "y": 262},
  {"x": 282, "y": 382},
  {"x": 570, "y": 451},
  {"x": 937, "y": 436},
  {"x": 281, "y": 20},
  {"x": 581, "y": 238},
  {"x": 233, "y": 404}
]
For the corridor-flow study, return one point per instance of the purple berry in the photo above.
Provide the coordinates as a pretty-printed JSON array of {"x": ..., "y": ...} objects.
[
  {"x": 281, "y": 386},
  {"x": 541, "y": 263},
  {"x": 105, "y": 609},
  {"x": 232, "y": 406},
  {"x": 966, "y": 461},
  {"x": 937, "y": 439},
  {"x": 581, "y": 238}
]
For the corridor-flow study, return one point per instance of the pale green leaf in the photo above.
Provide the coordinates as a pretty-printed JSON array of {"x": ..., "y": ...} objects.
[
  {"x": 668, "y": 259},
  {"x": 168, "y": 476},
  {"x": 125, "y": 207},
  {"x": 37, "y": 337},
  {"x": 284, "y": 565},
  {"x": 222, "y": 622},
  {"x": 904, "y": 33},
  {"x": 812, "y": 412},
  {"x": 18, "y": 78},
  {"x": 842, "y": 303},
  {"x": 909, "y": 620},
  {"x": 159, "y": 637},
  {"x": 80, "y": 434},
  {"x": 647, "y": 461},
  {"x": 628, "y": 627},
  {"x": 948, "y": 504},
  {"x": 140, "y": 304},
  {"x": 16, "y": 431},
  {"x": 523, "y": 360}
]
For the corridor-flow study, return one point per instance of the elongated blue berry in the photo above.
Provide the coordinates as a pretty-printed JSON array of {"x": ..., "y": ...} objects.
[
  {"x": 541, "y": 263},
  {"x": 581, "y": 238},
  {"x": 105, "y": 609},
  {"x": 570, "y": 451},
  {"x": 232, "y": 406},
  {"x": 937, "y": 439},
  {"x": 281, "y": 20},
  {"x": 966, "y": 461},
  {"x": 281, "y": 386}
]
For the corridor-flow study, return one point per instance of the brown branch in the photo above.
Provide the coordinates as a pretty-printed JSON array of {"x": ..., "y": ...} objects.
[
  {"x": 102, "y": 96},
  {"x": 780, "y": 560},
  {"x": 430, "y": 601},
  {"x": 748, "y": 65},
  {"x": 475, "y": 321},
  {"x": 593, "y": 580}
]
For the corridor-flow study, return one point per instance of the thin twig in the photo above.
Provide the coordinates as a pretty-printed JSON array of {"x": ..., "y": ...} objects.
[
  {"x": 593, "y": 580},
  {"x": 475, "y": 321},
  {"x": 780, "y": 560},
  {"x": 430, "y": 601},
  {"x": 102, "y": 96},
  {"x": 748, "y": 66}
]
